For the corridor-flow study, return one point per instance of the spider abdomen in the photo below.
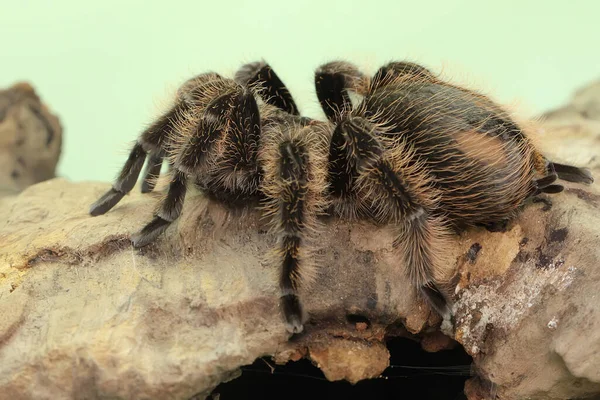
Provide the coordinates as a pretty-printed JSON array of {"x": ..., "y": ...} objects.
[{"x": 480, "y": 165}]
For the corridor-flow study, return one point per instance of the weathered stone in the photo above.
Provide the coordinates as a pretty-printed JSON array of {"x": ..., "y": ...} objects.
[
  {"x": 30, "y": 139},
  {"x": 529, "y": 313}
]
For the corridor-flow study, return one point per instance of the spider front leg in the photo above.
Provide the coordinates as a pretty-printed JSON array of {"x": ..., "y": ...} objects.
[
  {"x": 270, "y": 87},
  {"x": 169, "y": 211},
  {"x": 152, "y": 141},
  {"x": 397, "y": 190}
]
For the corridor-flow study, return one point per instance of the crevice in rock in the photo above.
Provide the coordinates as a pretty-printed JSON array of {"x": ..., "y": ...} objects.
[
  {"x": 413, "y": 373},
  {"x": 360, "y": 321},
  {"x": 68, "y": 255}
]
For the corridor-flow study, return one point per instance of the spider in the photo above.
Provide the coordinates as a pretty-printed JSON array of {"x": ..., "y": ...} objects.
[
  {"x": 430, "y": 158},
  {"x": 416, "y": 153}
]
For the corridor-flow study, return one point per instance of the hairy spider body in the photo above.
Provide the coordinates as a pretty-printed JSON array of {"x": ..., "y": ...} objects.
[
  {"x": 429, "y": 157},
  {"x": 238, "y": 150},
  {"x": 419, "y": 154}
]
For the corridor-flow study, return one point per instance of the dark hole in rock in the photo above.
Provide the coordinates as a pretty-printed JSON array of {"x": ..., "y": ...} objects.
[
  {"x": 358, "y": 319},
  {"x": 413, "y": 374},
  {"x": 559, "y": 235},
  {"x": 497, "y": 226},
  {"x": 473, "y": 252}
]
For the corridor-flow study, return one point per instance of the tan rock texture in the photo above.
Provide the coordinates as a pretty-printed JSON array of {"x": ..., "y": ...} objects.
[
  {"x": 84, "y": 315},
  {"x": 30, "y": 139}
]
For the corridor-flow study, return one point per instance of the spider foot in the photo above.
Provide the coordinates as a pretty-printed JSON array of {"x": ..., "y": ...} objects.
[
  {"x": 150, "y": 232},
  {"x": 106, "y": 202},
  {"x": 294, "y": 316}
]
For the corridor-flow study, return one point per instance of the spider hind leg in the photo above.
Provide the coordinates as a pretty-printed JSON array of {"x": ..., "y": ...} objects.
[{"x": 398, "y": 193}]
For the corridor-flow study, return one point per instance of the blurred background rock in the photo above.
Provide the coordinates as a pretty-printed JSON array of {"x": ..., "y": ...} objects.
[{"x": 30, "y": 139}]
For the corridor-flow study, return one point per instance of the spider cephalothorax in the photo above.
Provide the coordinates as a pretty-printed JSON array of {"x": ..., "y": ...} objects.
[
  {"x": 429, "y": 157},
  {"x": 417, "y": 153},
  {"x": 241, "y": 141}
]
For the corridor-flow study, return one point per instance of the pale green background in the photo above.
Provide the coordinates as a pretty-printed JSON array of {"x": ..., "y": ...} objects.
[{"x": 108, "y": 67}]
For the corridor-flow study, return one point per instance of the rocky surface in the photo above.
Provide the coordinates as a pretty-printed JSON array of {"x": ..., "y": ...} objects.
[
  {"x": 84, "y": 315},
  {"x": 30, "y": 139}
]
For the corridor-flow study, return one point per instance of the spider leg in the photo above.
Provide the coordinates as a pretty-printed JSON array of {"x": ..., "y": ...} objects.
[
  {"x": 547, "y": 180},
  {"x": 271, "y": 89},
  {"x": 399, "y": 192},
  {"x": 124, "y": 183},
  {"x": 294, "y": 184},
  {"x": 237, "y": 168},
  {"x": 193, "y": 155},
  {"x": 573, "y": 174},
  {"x": 397, "y": 69},
  {"x": 152, "y": 172},
  {"x": 333, "y": 81},
  {"x": 292, "y": 192},
  {"x": 151, "y": 141},
  {"x": 555, "y": 170},
  {"x": 195, "y": 148},
  {"x": 169, "y": 211},
  {"x": 294, "y": 177}
]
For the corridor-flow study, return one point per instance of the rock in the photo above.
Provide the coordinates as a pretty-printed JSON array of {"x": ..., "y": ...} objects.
[
  {"x": 584, "y": 104},
  {"x": 84, "y": 315},
  {"x": 30, "y": 139},
  {"x": 100, "y": 319},
  {"x": 531, "y": 318},
  {"x": 334, "y": 356}
]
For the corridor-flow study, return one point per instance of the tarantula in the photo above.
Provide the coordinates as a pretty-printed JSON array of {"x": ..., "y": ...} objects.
[
  {"x": 429, "y": 157},
  {"x": 416, "y": 152}
]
